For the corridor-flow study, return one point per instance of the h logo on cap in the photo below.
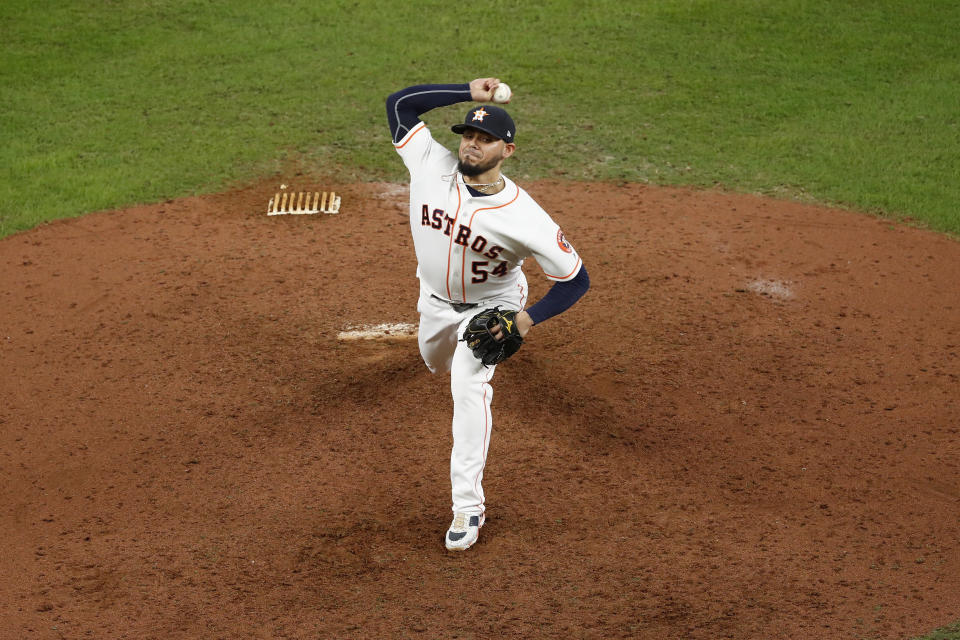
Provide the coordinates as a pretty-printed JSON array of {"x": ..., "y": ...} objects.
[{"x": 480, "y": 114}]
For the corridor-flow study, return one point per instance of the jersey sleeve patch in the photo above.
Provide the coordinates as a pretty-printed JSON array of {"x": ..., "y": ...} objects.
[{"x": 562, "y": 242}]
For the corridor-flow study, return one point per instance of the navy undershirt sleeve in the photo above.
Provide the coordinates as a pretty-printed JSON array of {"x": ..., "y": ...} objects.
[
  {"x": 560, "y": 297},
  {"x": 405, "y": 107}
]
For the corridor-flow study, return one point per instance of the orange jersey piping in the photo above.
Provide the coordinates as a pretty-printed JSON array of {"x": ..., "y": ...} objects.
[
  {"x": 566, "y": 277},
  {"x": 463, "y": 266},
  {"x": 417, "y": 129},
  {"x": 453, "y": 230}
]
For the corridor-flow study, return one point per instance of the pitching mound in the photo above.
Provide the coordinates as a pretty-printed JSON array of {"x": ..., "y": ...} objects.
[{"x": 748, "y": 428}]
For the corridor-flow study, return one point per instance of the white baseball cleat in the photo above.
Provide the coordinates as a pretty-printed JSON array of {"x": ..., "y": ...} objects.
[{"x": 463, "y": 531}]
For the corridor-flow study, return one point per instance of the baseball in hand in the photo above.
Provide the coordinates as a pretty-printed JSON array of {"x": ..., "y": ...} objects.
[{"x": 502, "y": 93}]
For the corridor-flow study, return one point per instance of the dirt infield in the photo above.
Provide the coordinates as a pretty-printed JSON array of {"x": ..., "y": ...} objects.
[{"x": 748, "y": 428}]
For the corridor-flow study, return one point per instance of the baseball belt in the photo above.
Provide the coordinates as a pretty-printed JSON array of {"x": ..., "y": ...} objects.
[{"x": 459, "y": 307}]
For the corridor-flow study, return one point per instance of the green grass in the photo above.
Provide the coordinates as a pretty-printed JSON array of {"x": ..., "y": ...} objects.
[
  {"x": 950, "y": 632},
  {"x": 841, "y": 102}
]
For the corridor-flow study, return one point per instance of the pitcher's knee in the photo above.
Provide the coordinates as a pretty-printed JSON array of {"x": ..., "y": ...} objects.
[{"x": 436, "y": 368}]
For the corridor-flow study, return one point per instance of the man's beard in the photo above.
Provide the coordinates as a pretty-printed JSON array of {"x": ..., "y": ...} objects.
[{"x": 475, "y": 169}]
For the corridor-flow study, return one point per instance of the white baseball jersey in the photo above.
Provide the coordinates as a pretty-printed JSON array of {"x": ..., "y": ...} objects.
[{"x": 471, "y": 249}]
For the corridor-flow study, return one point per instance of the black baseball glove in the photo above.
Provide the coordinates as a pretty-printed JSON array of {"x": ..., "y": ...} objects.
[{"x": 487, "y": 348}]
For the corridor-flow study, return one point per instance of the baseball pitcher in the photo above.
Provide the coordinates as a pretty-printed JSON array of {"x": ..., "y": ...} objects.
[{"x": 472, "y": 228}]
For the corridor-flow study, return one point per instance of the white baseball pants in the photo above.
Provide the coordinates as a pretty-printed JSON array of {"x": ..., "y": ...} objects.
[{"x": 440, "y": 330}]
